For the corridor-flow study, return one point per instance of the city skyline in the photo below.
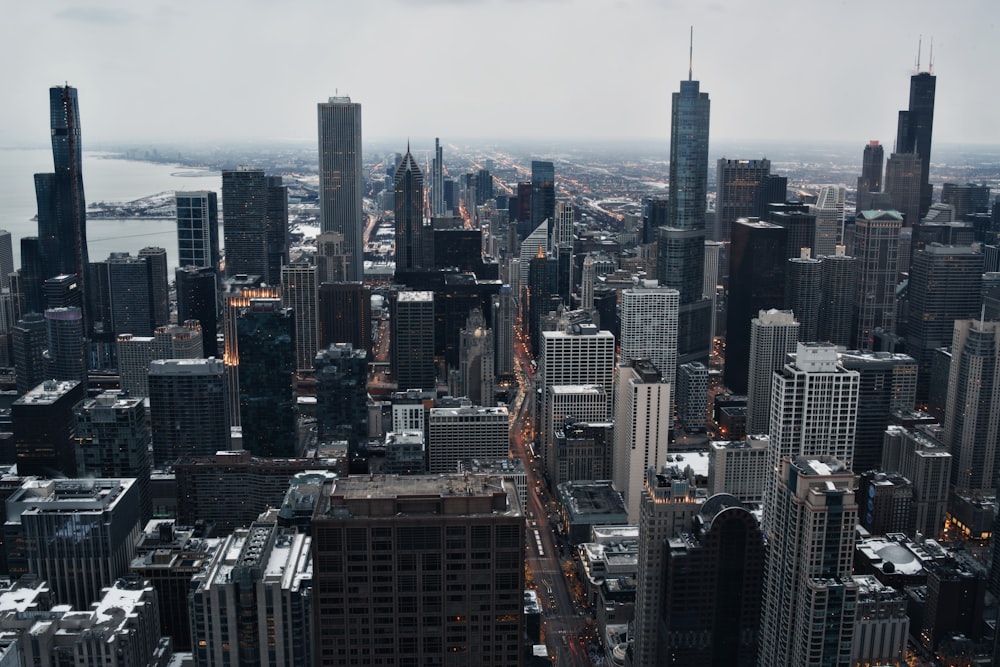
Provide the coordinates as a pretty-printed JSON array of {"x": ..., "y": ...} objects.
[{"x": 591, "y": 62}]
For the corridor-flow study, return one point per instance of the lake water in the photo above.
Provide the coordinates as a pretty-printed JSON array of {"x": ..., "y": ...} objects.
[{"x": 106, "y": 179}]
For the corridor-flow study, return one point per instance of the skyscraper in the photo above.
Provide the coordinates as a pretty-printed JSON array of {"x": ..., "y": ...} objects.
[
  {"x": 276, "y": 233},
  {"x": 159, "y": 296},
  {"x": 904, "y": 183},
  {"x": 503, "y": 330},
  {"x": 342, "y": 178},
  {"x": 188, "y": 407},
  {"x": 6, "y": 259},
  {"x": 299, "y": 291},
  {"x": 437, "y": 181},
  {"x": 136, "y": 353},
  {"x": 266, "y": 337},
  {"x": 643, "y": 421},
  {"x": 971, "y": 429},
  {"x": 945, "y": 286},
  {"x": 29, "y": 341},
  {"x": 45, "y": 428},
  {"x": 871, "y": 172},
  {"x": 197, "y": 299},
  {"x": 773, "y": 335},
  {"x": 425, "y": 529},
  {"x": 829, "y": 210},
  {"x": 342, "y": 401},
  {"x": 130, "y": 285},
  {"x": 916, "y": 123},
  {"x": 345, "y": 314},
  {"x": 244, "y": 209},
  {"x": 409, "y": 209},
  {"x": 808, "y": 606},
  {"x": 62, "y": 210},
  {"x": 738, "y": 183},
  {"x": 543, "y": 192},
  {"x": 803, "y": 295},
  {"x": 66, "y": 359},
  {"x": 649, "y": 330},
  {"x": 757, "y": 264},
  {"x": 197, "y": 228},
  {"x": 838, "y": 289},
  {"x": 876, "y": 243},
  {"x": 412, "y": 339},
  {"x": 681, "y": 251}
]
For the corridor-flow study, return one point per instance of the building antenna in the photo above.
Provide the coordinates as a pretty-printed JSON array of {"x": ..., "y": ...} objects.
[
  {"x": 930, "y": 65},
  {"x": 691, "y": 55},
  {"x": 920, "y": 46}
]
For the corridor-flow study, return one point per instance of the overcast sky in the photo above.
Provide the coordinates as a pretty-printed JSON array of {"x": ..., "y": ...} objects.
[{"x": 226, "y": 70}]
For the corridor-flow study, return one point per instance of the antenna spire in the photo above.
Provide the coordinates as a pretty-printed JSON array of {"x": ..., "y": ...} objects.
[
  {"x": 920, "y": 46},
  {"x": 930, "y": 65},
  {"x": 691, "y": 55}
]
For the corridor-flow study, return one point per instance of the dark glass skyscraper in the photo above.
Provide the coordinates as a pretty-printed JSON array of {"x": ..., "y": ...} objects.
[
  {"x": 341, "y": 179},
  {"x": 543, "y": 192},
  {"x": 409, "y": 205},
  {"x": 680, "y": 260},
  {"x": 62, "y": 210},
  {"x": 244, "y": 209},
  {"x": 871, "y": 170},
  {"x": 197, "y": 299},
  {"x": 913, "y": 134}
]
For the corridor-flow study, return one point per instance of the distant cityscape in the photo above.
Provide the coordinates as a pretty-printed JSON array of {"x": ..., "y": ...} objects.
[{"x": 508, "y": 405}]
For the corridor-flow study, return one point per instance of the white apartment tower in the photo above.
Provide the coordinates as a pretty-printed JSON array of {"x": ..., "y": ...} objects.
[
  {"x": 578, "y": 355},
  {"x": 649, "y": 326},
  {"x": 643, "y": 421},
  {"x": 807, "y": 575},
  {"x": 773, "y": 335}
]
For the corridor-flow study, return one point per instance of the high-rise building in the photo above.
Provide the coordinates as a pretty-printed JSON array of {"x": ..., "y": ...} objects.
[
  {"x": 903, "y": 183},
  {"x": 299, "y": 291},
  {"x": 266, "y": 335},
  {"x": 409, "y": 208},
  {"x": 437, "y": 181},
  {"x": 412, "y": 339},
  {"x": 871, "y": 172},
  {"x": 578, "y": 355},
  {"x": 76, "y": 534},
  {"x": 466, "y": 432},
  {"x": 803, "y": 293},
  {"x": 807, "y": 575},
  {"x": 738, "y": 183},
  {"x": 29, "y": 340},
  {"x": 31, "y": 275},
  {"x": 65, "y": 357},
  {"x": 331, "y": 258},
  {"x": 276, "y": 234},
  {"x": 913, "y": 134},
  {"x": 649, "y": 327},
  {"x": 773, "y": 336},
  {"x": 342, "y": 178},
  {"x": 159, "y": 295},
  {"x": 566, "y": 404},
  {"x": 562, "y": 229},
  {"x": 197, "y": 228},
  {"x": 945, "y": 284},
  {"x": 112, "y": 432},
  {"x": 926, "y": 462},
  {"x": 503, "y": 330},
  {"x": 136, "y": 353},
  {"x": 188, "y": 408},
  {"x": 476, "y": 377},
  {"x": 342, "y": 401},
  {"x": 345, "y": 314},
  {"x": 968, "y": 199},
  {"x": 814, "y": 409},
  {"x": 876, "y": 243},
  {"x": 238, "y": 294},
  {"x": 829, "y": 210},
  {"x": 971, "y": 430},
  {"x": 252, "y": 602},
  {"x": 692, "y": 394},
  {"x": 6, "y": 259},
  {"x": 721, "y": 555},
  {"x": 130, "y": 290},
  {"x": 45, "y": 428},
  {"x": 888, "y": 384},
  {"x": 62, "y": 210},
  {"x": 681, "y": 244},
  {"x": 543, "y": 192},
  {"x": 757, "y": 264},
  {"x": 244, "y": 209},
  {"x": 643, "y": 421},
  {"x": 799, "y": 220},
  {"x": 197, "y": 299},
  {"x": 432, "y": 532},
  {"x": 838, "y": 290}
]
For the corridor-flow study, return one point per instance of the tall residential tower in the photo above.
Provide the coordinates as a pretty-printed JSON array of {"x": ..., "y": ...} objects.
[{"x": 341, "y": 179}]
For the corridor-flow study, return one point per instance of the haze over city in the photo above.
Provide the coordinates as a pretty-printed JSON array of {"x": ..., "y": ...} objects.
[{"x": 495, "y": 69}]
